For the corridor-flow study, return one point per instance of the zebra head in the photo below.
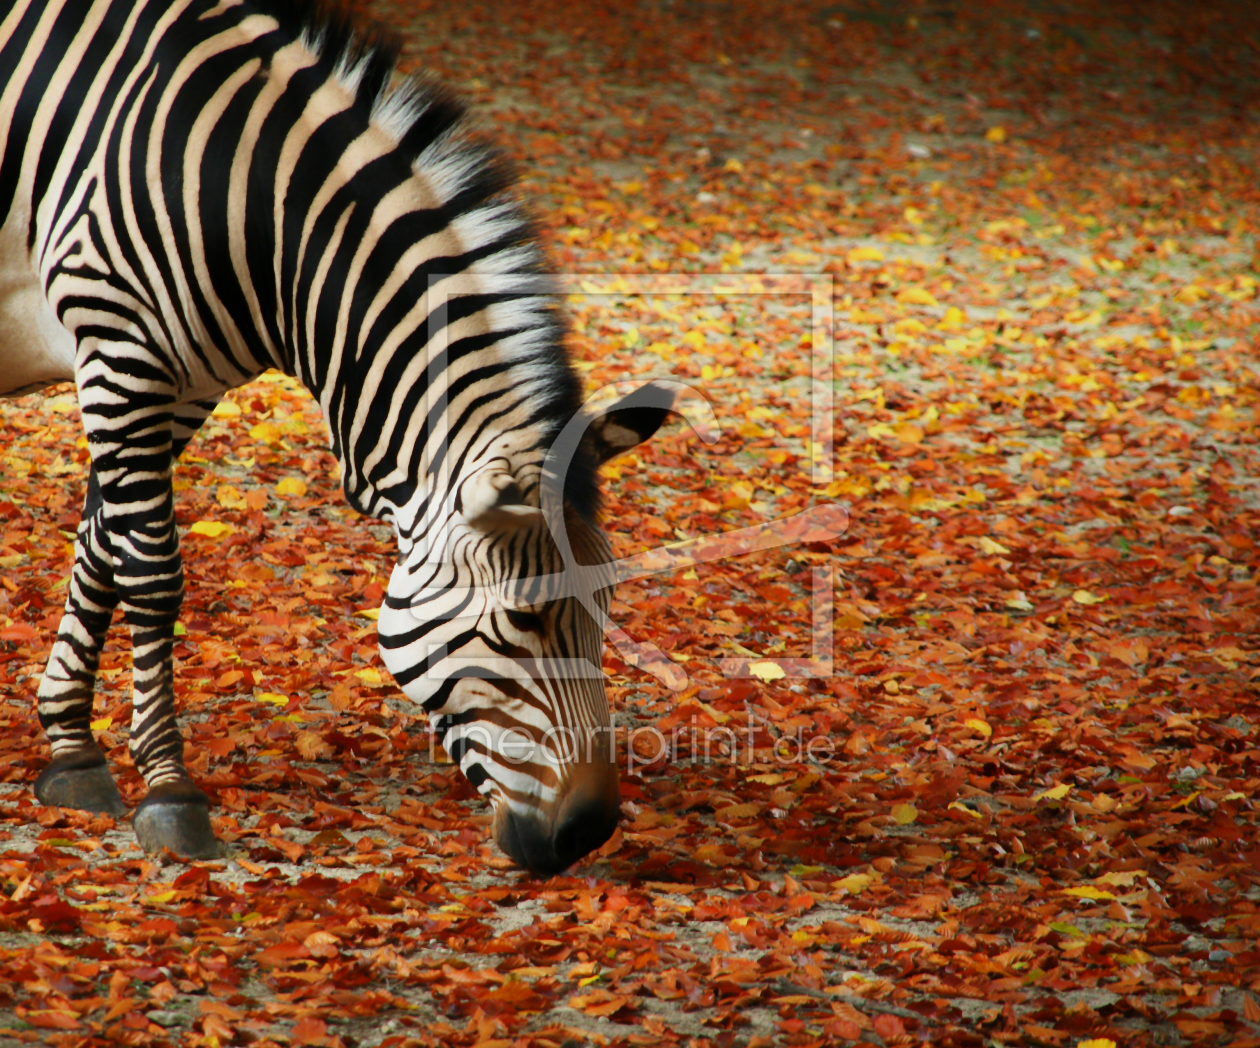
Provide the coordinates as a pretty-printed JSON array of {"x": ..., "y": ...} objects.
[{"x": 494, "y": 624}]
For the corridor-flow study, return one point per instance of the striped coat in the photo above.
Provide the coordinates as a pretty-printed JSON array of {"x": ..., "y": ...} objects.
[{"x": 192, "y": 192}]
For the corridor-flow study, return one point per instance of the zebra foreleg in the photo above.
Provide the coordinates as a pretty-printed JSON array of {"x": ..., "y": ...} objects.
[
  {"x": 149, "y": 575},
  {"x": 78, "y": 776}
]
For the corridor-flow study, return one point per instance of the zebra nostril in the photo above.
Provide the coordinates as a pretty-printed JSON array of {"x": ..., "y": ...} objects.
[{"x": 582, "y": 832}]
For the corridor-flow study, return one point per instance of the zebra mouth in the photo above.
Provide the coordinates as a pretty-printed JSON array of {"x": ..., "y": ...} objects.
[{"x": 530, "y": 843}]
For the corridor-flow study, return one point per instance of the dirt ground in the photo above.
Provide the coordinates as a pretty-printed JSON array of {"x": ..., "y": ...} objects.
[{"x": 1039, "y": 227}]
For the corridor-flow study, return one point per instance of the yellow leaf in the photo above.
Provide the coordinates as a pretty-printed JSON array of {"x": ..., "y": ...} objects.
[
  {"x": 989, "y": 546},
  {"x": 959, "y": 806},
  {"x": 1088, "y": 892},
  {"x": 975, "y": 724},
  {"x": 631, "y": 338},
  {"x": 227, "y": 409},
  {"x": 865, "y": 254},
  {"x": 212, "y": 529},
  {"x": 291, "y": 486},
  {"x": 230, "y": 497},
  {"x": 995, "y": 134},
  {"x": 910, "y": 434},
  {"x": 855, "y": 882},
  {"x": 733, "y": 165},
  {"x": 905, "y": 814},
  {"x": 13, "y": 561},
  {"x": 369, "y": 613},
  {"x": 166, "y": 896},
  {"x": 267, "y": 432},
  {"x": 953, "y": 320},
  {"x": 1097, "y": 1042},
  {"x": 1055, "y": 793},
  {"x": 104, "y": 724},
  {"x": 916, "y": 296},
  {"x": 1085, "y": 597},
  {"x": 767, "y": 671},
  {"x": 909, "y": 327},
  {"x": 273, "y": 698},
  {"x": 371, "y": 675}
]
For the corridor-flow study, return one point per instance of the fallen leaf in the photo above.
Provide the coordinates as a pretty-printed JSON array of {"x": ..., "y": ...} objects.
[
  {"x": 767, "y": 671},
  {"x": 213, "y": 529}
]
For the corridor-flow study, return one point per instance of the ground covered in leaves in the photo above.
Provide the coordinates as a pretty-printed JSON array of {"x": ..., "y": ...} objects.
[{"x": 1028, "y": 815}]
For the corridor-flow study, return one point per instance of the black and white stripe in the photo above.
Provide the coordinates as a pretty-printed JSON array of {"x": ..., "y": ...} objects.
[{"x": 192, "y": 192}]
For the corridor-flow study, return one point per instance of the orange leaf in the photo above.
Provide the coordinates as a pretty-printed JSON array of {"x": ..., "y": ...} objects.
[
  {"x": 310, "y": 1031},
  {"x": 223, "y": 1011},
  {"x": 53, "y": 1019},
  {"x": 310, "y": 745},
  {"x": 121, "y": 1007},
  {"x": 282, "y": 953}
]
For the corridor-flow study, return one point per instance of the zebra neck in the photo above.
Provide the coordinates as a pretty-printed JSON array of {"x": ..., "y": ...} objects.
[{"x": 377, "y": 255}]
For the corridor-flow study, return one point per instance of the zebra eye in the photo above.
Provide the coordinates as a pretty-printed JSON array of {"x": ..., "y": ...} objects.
[{"x": 525, "y": 621}]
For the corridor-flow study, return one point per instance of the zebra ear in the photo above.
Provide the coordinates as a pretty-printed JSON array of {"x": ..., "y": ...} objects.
[
  {"x": 629, "y": 422},
  {"x": 492, "y": 498}
]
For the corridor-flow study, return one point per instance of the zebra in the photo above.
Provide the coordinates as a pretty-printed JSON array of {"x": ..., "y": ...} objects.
[{"x": 195, "y": 191}]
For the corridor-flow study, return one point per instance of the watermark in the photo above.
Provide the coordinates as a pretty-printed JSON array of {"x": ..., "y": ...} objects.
[
  {"x": 585, "y": 583},
  {"x": 641, "y": 748},
  {"x": 736, "y": 745}
]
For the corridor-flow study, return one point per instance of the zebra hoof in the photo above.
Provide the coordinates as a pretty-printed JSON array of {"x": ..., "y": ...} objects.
[
  {"x": 177, "y": 818},
  {"x": 80, "y": 781}
]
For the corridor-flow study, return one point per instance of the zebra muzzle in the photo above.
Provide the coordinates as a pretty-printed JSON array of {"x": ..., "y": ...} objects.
[{"x": 546, "y": 849}]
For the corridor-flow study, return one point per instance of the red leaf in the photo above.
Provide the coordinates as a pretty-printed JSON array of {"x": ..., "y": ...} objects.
[{"x": 888, "y": 1026}]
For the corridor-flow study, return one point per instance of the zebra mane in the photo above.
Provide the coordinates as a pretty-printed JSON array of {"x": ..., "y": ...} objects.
[{"x": 472, "y": 179}]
